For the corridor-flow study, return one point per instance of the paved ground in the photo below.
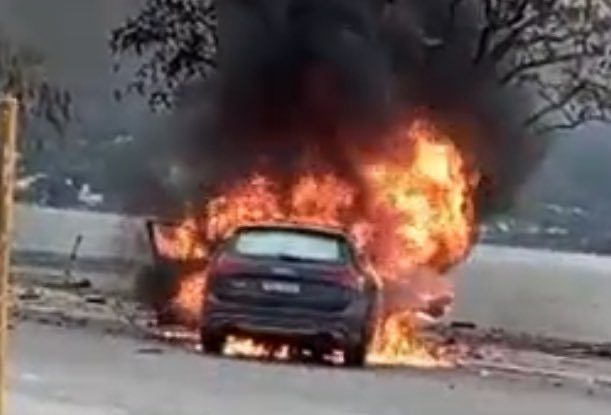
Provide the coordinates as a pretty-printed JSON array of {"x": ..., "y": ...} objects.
[{"x": 59, "y": 371}]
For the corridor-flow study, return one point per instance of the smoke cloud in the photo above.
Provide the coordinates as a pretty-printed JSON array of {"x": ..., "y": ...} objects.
[
  {"x": 329, "y": 77},
  {"x": 319, "y": 81}
]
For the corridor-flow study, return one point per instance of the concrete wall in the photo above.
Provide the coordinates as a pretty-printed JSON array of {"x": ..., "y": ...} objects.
[
  {"x": 104, "y": 236},
  {"x": 557, "y": 294}
]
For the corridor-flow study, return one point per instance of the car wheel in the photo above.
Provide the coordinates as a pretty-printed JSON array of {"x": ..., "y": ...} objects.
[
  {"x": 212, "y": 343},
  {"x": 355, "y": 355}
]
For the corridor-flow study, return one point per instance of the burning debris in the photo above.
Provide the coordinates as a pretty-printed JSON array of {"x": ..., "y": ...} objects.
[{"x": 346, "y": 114}]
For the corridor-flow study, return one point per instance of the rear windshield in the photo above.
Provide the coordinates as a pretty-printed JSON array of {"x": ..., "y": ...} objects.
[{"x": 291, "y": 245}]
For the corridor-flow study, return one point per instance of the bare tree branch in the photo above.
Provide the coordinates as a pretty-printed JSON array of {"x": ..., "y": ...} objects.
[
  {"x": 22, "y": 74},
  {"x": 554, "y": 105},
  {"x": 539, "y": 64},
  {"x": 178, "y": 42},
  {"x": 559, "y": 51}
]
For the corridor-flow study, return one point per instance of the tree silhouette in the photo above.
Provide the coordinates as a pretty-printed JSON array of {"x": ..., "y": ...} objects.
[
  {"x": 559, "y": 50},
  {"x": 178, "y": 42},
  {"x": 22, "y": 75}
]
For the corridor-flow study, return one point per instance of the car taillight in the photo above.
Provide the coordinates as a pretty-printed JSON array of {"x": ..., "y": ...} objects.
[
  {"x": 349, "y": 279},
  {"x": 226, "y": 265}
]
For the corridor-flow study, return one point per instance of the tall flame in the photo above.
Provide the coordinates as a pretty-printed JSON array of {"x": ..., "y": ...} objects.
[{"x": 418, "y": 214}]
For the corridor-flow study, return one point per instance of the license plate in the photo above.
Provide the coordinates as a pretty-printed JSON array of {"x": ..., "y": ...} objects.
[{"x": 281, "y": 287}]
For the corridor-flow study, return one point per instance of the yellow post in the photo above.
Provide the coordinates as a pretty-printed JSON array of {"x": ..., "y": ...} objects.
[{"x": 8, "y": 134}]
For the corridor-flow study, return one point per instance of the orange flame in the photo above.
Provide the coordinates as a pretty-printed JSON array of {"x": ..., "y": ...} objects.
[
  {"x": 418, "y": 213},
  {"x": 397, "y": 341},
  {"x": 245, "y": 347}
]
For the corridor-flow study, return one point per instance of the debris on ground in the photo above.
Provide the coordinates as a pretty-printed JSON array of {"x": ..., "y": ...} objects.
[
  {"x": 469, "y": 334},
  {"x": 29, "y": 294},
  {"x": 95, "y": 299},
  {"x": 69, "y": 308},
  {"x": 486, "y": 352},
  {"x": 68, "y": 284},
  {"x": 150, "y": 350}
]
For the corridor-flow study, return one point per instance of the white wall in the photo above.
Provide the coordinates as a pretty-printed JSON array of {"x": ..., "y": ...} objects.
[
  {"x": 558, "y": 294},
  {"x": 105, "y": 236}
]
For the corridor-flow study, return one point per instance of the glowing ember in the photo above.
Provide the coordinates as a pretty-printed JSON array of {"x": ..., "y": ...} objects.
[
  {"x": 179, "y": 242},
  {"x": 190, "y": 296},
  {"x": 245, "y": 347},
  {"x": 398, "y": 343},
  {"x": 413, "y": 211}
]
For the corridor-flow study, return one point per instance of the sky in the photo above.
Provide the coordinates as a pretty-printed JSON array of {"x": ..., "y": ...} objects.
[{"x": 73, "y": 37}]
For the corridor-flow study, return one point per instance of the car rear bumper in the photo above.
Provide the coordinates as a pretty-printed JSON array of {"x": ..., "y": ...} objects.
[{"x": 290, "y": 325}]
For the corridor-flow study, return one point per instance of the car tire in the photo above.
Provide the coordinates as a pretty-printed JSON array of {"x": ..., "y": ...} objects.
[
  {"x": 355, "y": 355},
  {"x": 212, "y": 343}
]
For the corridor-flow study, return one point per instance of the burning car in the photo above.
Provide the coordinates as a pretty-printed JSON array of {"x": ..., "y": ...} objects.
[
  {"x": 277, "y": 283},
  {"x": 412, "y": 216},
  {"x": 290, "y": 284}
]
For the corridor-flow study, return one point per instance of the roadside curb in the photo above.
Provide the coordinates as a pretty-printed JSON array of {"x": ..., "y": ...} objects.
[{"x": 580, "y": 377}]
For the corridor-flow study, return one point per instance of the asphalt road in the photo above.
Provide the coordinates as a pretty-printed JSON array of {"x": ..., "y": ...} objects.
[{"x": 60, "y": 371}]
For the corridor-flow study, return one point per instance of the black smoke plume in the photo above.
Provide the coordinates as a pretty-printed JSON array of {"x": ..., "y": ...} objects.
[{"x": 329, "y": 77}]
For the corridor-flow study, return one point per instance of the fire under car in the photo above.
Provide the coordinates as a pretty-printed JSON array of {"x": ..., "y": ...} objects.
[{"x": 289, "y": 284}]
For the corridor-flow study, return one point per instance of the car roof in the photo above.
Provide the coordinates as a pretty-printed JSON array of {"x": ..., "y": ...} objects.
[{"x": 296, "y": 227}]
